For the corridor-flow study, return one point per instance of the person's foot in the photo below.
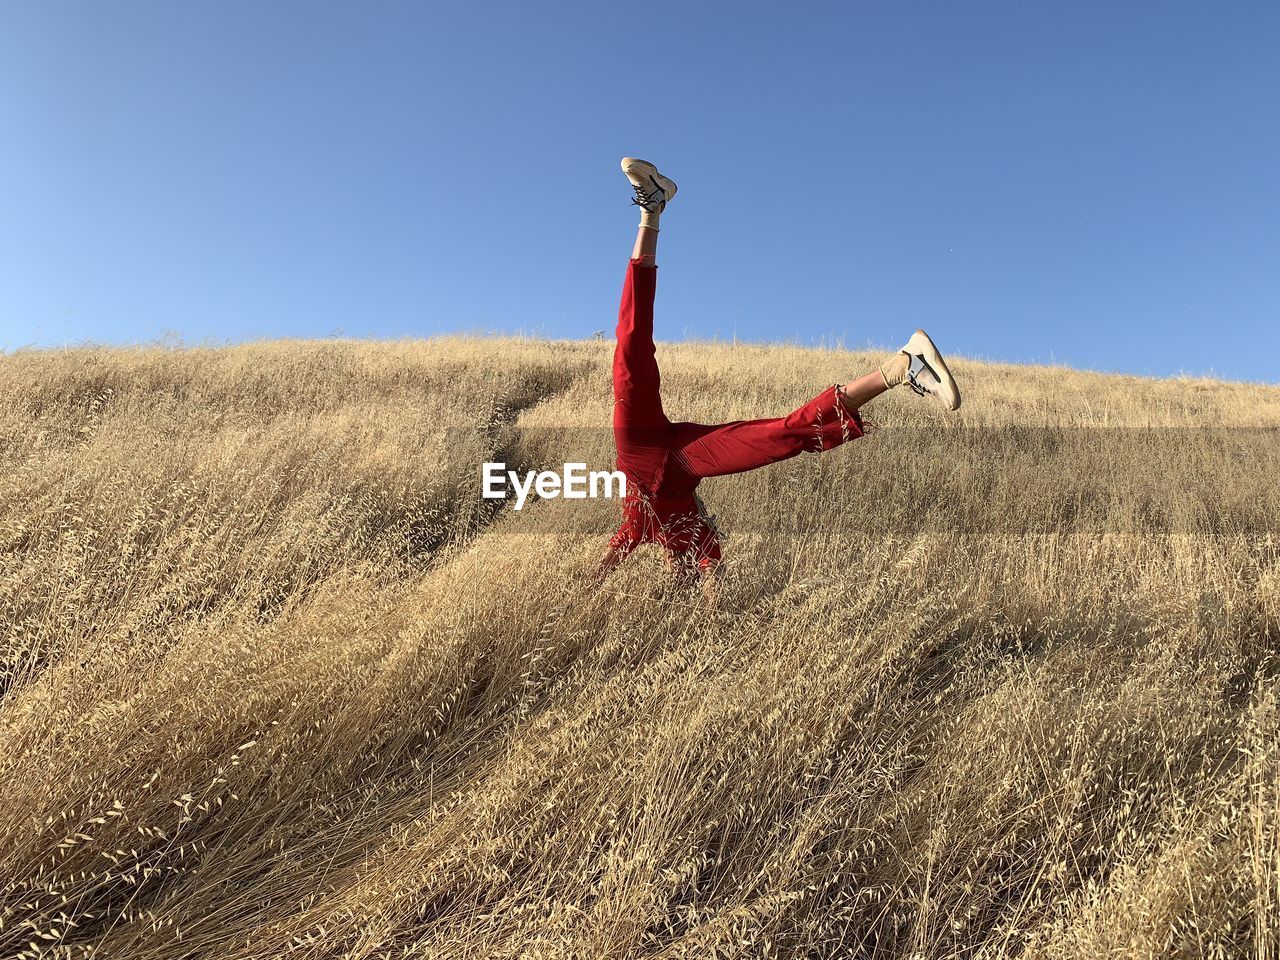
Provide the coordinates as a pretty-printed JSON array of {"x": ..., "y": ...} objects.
[
  {"x": 920, "y": 366},
  {"x": 652, "y": 190}
]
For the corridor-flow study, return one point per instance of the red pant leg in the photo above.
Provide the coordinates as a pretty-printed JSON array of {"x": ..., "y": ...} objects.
[
  {"x": 713, "y": 451},
  {"x": 641, "y": 430}
]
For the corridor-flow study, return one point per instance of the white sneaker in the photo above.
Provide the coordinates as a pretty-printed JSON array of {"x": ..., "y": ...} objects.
[
  {"x": 929, "y": 373},
  {"x": 653, "y": 190}
]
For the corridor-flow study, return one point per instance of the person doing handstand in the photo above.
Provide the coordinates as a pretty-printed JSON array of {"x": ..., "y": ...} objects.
[{"x": 664, "y": 462}]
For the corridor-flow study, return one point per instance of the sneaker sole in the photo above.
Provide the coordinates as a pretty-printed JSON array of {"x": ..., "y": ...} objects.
[{"x": 950, "y": 393}]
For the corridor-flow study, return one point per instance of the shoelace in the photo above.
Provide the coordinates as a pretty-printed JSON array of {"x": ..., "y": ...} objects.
[
  {"x": 917, "y": 364},
  {"x": 647, "y": 200}
]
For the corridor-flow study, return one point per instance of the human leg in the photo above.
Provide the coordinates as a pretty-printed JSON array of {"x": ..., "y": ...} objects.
[
  {"x": 636, "y": 382},
  {"x": 640, "y": 426},
  {"x": 645, "y": 250},
  {"x": 715, "y": 450},
  {"x": 826, "y": 421},
  {"x": 858, "y": 393}
]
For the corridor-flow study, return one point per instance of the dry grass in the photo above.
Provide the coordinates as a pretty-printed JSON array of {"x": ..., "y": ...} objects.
[{"x": 275, "y": 682}]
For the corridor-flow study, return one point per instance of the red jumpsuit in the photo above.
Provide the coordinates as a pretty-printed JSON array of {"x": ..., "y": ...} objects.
[{"x": 664, "y": 462}]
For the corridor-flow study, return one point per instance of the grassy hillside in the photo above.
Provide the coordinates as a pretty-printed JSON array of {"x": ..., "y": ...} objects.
[{"x": 274, "y": 681}]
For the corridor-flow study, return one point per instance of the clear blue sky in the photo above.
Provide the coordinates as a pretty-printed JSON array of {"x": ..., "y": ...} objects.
[{"x": 1092, "y": 183}]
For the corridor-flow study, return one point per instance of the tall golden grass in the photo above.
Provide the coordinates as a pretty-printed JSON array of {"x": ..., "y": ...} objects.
[{"x": 276, "y": 682}]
